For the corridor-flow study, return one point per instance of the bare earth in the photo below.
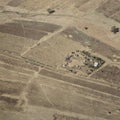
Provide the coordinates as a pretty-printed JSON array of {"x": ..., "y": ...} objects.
[{"x": 63, "y": 65}]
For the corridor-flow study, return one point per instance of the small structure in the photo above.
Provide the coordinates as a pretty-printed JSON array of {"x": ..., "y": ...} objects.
[
  {"x": 68, "y": 58},
  {"x": 50, "y": 11},
  {"x": 96, "y": 64},
  {"x": 114, "y": 29},
  {"x": 77, "y": 50},
  {"x": 86, "y": 28},
  {"x": 82, "y": 62}
]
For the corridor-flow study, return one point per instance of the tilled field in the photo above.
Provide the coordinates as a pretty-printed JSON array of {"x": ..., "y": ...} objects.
[
  {"x": 24, "y": 83},
  {"x": 111, "y": 9},
  {"x": 109, "y": 73},
  {"x": 14, "y": 76},
  {"x": 38, "y": 4},
  {"x": 48, "y": 53},
  {"x": 23, "y": 34},
  {"x": 94, "y": 44},
  {"x": 28, "y": 29},
  {"x": 53, "y": 66},
  {"x": 78, "y": 95},
  {"x": 65, "y": 117},
  {"x": 71, "y": 100}
]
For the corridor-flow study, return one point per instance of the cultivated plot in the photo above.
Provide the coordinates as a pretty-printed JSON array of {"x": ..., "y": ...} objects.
[
  {"x": 111, "y": 9},
  {"x": 20, "y": 35},
  {"x": 93, "y": 44},
  {"x": 110, "y": 73}
]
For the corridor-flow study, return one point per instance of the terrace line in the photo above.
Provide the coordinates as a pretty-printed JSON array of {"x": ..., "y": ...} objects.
[{"x": 81, "y": 82}]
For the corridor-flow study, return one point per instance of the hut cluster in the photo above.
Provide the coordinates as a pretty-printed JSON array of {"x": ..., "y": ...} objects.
[{"x": 82, "y": 61}]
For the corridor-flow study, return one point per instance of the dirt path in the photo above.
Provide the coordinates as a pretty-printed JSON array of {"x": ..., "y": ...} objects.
[{"x": 42, "y": 40}]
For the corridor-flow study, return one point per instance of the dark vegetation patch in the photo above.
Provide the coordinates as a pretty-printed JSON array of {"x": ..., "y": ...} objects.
[
  {"x": 28, "y": 29},
  {"x": 65, "y": 117},
  {"x": 7, "y": 87},
  {"x": 9, "y": 100},
  {"x": 18, "y": 30},
  {"x": 47, "y": 27}
]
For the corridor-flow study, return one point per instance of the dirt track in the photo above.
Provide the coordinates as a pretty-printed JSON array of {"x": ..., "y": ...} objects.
[{"x": 36, "y": 82}]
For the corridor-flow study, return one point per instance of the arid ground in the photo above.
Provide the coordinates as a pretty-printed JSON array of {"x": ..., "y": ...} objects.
[{"x": 59, "y": 60}]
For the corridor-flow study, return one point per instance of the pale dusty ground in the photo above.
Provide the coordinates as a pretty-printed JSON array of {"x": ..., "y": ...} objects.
[{"x": 33, "y": 86}]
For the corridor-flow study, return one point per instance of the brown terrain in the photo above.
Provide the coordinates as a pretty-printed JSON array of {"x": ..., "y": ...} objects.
[{"x": 59, "y": 60}]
